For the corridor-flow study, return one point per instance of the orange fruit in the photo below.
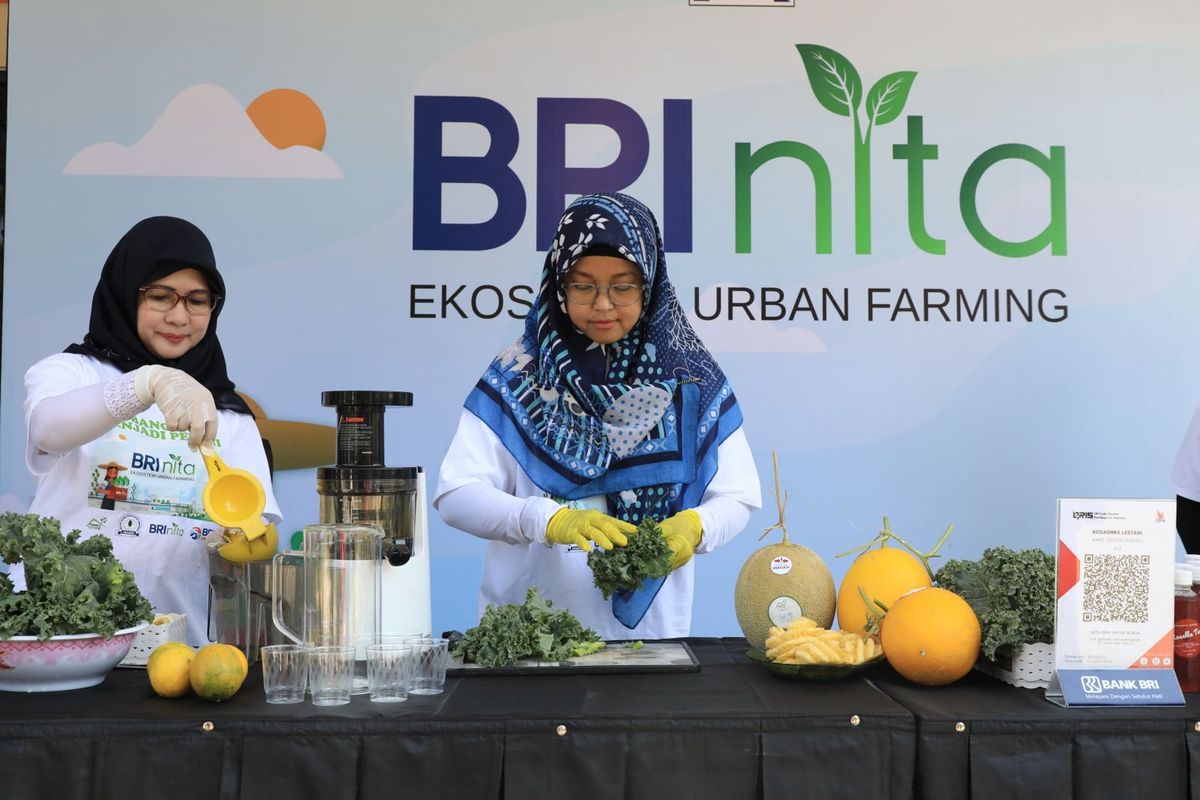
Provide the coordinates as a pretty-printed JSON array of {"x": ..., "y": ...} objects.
[
  {"x": 884, "y": 574},
  {"x": 931, "y": 636},
  {"x": 217, "y": 672},
  {"x": 169, "y": 669},
  {"x": 241, "y": 657}
]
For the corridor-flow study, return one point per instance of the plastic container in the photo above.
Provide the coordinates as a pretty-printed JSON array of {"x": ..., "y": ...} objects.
[
  {"x": 1029, "y": 666},
  {"x": 1187, "y": 630},
  {"x": 1194, "y": 562}
]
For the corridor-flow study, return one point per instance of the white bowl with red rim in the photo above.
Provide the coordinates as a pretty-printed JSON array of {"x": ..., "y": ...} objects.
[{"x": 30, "y": 664}]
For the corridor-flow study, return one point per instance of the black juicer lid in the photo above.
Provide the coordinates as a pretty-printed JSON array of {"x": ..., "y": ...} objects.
[{"x": 365, "y": 397}]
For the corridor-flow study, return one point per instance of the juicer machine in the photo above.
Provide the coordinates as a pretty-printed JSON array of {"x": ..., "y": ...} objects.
[{"x": 360, "y": 489}]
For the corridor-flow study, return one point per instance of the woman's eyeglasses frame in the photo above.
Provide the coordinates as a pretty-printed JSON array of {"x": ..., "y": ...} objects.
[
  {"x": 593, "y": 293},
  {"x": 216, "y": 300}
]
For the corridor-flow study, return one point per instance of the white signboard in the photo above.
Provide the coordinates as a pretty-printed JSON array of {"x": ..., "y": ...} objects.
[{"x": 1115, "y": 616}]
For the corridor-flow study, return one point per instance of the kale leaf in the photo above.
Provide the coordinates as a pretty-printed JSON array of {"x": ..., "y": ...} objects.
[
  {"x": 623, "y": 569},
  {"x": 506, "y": 634},
  {"x": 1012, "y": 593},
  {"x": 71, "y": 586}
]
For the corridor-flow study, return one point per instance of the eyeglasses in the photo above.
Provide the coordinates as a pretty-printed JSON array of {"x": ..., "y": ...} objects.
[
  {"x": 164, "y": 298},
  {"x": 619, "y": 294}
]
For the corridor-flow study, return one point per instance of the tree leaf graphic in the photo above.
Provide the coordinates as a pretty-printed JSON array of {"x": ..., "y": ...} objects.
[
  {"x": 833, "y": 78},
  {"x": 887, "y": 97}
]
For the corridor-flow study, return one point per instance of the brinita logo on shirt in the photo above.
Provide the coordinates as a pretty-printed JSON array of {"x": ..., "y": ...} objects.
[
  {"x": 173, "y": 464},
  {"x": 166, "y": 529}
]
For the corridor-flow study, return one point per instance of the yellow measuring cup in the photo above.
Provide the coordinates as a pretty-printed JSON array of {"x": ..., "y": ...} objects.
[{"x": 233, "y": 498}]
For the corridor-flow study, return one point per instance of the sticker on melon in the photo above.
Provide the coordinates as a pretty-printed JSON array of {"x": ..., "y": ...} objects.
[
  {"x": 783, "y": 611},
  {"x": 879, "y": 576},
  {"x": 781, "y": 582}
]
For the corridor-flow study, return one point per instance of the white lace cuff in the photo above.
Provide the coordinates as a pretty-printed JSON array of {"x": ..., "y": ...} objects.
[{"x": 120, "y": 397}]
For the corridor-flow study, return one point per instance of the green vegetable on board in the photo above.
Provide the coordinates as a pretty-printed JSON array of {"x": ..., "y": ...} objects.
[
  {"x": 1012, "y": 593},
  {"x": 506, "y": 634},
  {"x": 623, "y": 569},
  {"x": 638, "y": 645},
  {"x": 71, "y": 586}
]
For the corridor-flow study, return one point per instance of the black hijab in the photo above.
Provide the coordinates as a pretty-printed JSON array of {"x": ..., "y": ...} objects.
[{"x": 152, "y": 249}]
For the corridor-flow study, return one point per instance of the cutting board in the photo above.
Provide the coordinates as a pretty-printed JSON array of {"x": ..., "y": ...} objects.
[{"x": 615, "y": 657}]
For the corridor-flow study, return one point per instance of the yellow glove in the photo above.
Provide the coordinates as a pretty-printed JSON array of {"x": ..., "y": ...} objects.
[
  {"x": 238, "y": 548},
  {"x": 582, "y": 526},
  {"x": 682, "y": 532}
]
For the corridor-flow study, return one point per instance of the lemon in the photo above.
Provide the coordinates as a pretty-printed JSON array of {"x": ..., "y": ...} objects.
[
  {"x": 238, "y": 548},
  {"x": 217, "y": 672},
  {"x": 169, "y": 669},
  {"x": 242, "y": 658}
]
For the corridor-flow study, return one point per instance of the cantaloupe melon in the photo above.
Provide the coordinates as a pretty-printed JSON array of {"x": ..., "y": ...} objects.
[{"x": 780, "y": 583}]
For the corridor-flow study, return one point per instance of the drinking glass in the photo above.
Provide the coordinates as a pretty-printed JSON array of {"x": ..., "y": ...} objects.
[
  {"x": 429, "y": 676},
  {"x": 285, "y": 672},
  {"x": 390, "y": 671},
  {"x": 330, "y": 674}
]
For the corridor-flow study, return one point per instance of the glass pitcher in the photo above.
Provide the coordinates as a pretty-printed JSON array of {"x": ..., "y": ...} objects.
[{"x": 335, "y": 583}]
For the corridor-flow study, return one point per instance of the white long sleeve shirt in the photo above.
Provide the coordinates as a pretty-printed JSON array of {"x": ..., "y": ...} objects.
[
  {"x": 149, "y": 503},
  {"x": 484, "y": 491}
]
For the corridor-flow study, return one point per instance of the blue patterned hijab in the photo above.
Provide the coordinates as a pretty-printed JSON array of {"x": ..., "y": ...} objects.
[{"x": 639, "y": 420}]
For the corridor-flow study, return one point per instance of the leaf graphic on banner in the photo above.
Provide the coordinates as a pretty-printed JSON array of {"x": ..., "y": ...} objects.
[
  {"x": 887, "y": 97},
  {"x": 833, "y": 78}
]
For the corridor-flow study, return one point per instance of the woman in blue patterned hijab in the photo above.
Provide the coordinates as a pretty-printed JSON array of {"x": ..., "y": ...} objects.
[{"x": 609, "y": 392}]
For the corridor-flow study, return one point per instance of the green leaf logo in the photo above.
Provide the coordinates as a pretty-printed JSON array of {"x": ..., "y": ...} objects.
[
  {"x": 833, "y": 78},
  {"x": 886, "y": 99},
  {"x": 838, "y": 88}
]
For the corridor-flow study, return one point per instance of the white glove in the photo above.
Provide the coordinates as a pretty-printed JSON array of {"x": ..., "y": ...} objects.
[{"x": 185, "y": 404}]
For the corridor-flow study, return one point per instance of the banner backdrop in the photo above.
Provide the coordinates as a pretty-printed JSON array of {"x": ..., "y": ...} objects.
[{"x": 947, "y": 255}]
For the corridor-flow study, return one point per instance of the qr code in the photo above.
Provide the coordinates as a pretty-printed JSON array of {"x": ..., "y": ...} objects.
[{"x": 1116, "y": 588}]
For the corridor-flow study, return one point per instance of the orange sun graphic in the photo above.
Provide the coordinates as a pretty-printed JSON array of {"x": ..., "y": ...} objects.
[{"x": 287, "y": 118}]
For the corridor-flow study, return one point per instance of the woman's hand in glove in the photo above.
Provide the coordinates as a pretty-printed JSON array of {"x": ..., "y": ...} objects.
[
  {"x": 582, "y": 526},
  {"x": 682, "y": 532},
  {"x": 185, "y": 404}
]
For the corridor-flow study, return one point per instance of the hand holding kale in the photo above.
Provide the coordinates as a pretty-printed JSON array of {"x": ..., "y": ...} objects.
[
  {"x": 623, "y": 569},
  {"x": 71, "y": 586},
  {"x": 506, "y": 634}
]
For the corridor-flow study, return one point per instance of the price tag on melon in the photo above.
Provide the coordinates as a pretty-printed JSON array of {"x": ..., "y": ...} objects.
[{"x": 1114, "y": 625}]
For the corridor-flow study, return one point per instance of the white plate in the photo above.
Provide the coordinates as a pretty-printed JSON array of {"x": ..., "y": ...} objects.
[{"x": 29, "y": 664}]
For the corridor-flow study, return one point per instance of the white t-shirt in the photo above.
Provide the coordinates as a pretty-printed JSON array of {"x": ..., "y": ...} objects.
[
  {"x": 484, "y": 491},
  {"x": 149, "y": 501}
]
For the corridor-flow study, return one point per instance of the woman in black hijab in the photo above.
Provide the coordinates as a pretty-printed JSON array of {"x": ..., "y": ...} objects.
[{"x": 115, "y": 421}]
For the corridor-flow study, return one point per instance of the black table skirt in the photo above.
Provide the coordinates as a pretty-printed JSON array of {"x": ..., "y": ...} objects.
[
  {"x": 980, "y": 738},
  {"x": 731, "y": 730}
]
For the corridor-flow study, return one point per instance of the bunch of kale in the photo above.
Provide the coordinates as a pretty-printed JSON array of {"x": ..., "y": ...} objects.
[
  {"x": 623, "y": 569},
  {"x": 1012, "y": 593},
  {"x": 506, "y": 634},
  {"x": 71, "y": 586}
]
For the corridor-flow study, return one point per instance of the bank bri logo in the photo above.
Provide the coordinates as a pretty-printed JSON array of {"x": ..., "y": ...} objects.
[{"x": 838, "y": 88}]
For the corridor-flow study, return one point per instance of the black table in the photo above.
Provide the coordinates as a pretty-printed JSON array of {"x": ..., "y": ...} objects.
[
  {"x": 980, "y": 738},
  {"x": 731, "y": 730}
]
